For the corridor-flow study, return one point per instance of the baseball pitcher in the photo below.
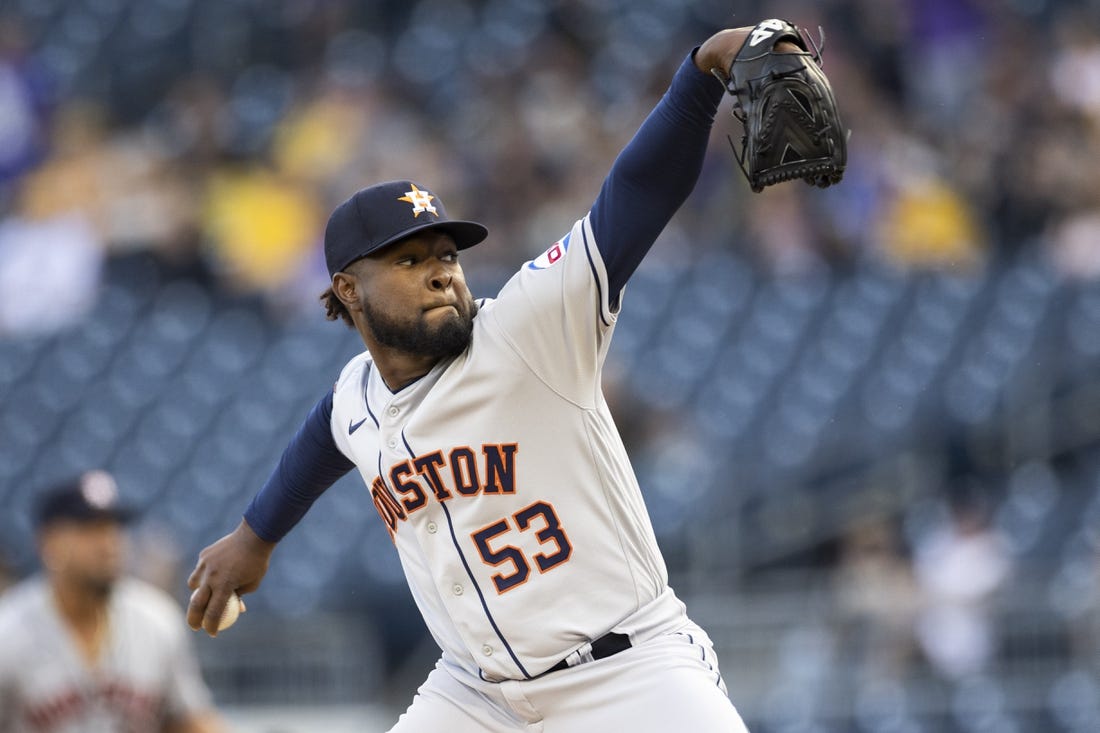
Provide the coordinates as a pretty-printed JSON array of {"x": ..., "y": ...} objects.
[{"x": 484, "y": 440}]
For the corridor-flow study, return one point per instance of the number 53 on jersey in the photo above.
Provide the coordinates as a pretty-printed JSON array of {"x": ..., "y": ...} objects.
[{"x": 492, "y": 544}]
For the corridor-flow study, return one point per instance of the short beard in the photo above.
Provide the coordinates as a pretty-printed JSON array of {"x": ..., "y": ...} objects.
[
  {"x": 450, "y": 338},
  {"x": 100, "y": 588}
]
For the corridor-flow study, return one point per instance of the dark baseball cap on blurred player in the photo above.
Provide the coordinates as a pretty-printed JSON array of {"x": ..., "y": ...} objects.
[
  {"x": 90, "y": 496},
  {"x": 385, "y": 213}
]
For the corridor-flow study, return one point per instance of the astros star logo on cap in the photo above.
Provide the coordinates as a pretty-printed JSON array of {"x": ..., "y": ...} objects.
[{"x": 421, "y": 201}]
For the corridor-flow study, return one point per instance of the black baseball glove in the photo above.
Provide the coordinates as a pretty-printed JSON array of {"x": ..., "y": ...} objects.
[{"x": 784, "y": 101}]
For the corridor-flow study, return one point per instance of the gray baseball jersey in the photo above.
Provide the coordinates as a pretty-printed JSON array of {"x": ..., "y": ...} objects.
[
  {"x": 522, "y": 538},
  {"x": 146, "y": 675}
]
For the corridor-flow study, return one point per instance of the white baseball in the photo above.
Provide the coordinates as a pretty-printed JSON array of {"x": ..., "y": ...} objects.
[{"x": 233, "y": 608}]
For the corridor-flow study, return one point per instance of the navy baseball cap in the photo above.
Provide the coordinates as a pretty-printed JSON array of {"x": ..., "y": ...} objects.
[
  {"x": 385, "y": 213},
  {"x": 90, "y": 496}
]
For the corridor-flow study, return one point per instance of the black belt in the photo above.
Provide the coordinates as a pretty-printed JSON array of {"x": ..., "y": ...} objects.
[{"x": 606, "y": 646}]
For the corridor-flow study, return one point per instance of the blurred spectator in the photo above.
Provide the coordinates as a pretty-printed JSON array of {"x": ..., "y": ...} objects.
[
  {"x": 261, "y": 226},
  {"x": 1072, "y": 244},
  {"x": 1075, "y": 69},
  {"x": 945, "y": 59},
  {"x": 55, "y": 238},
  {"x": 311, "y": 144},
  {"x": 781, "y": 232},
  {"x": 55, "y": 261},
  {"x": 960, "y": 565},
  {"x": 1073, "y": 144},
  {"x": 926, "y": 223},
  {"x": 23, "y": 90},
  {"x": 147, "y": 202},
  {"x": 70, "y": 180},
  {"x": 876, "y": 598}
]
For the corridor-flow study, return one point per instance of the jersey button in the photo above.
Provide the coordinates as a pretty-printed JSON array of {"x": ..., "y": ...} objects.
[
  {"x": 392, "y": 442},
  {"x": 487, "y": 650},
  {"x": 432, "y": 528},
  {"x": 456, "y": 589},
  {"x": 394, "y": 412}
]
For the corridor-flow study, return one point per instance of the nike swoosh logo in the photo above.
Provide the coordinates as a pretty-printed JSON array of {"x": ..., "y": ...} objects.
[{"x": 353, "y": 426}]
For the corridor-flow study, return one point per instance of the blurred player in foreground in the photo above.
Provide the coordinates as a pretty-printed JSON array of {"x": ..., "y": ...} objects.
[
  {"x": 84, "y": 649},
  {"x": 482, "y": 434}
]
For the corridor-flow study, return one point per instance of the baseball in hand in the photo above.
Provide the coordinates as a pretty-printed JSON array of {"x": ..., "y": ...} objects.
[{"x": 233, "y": 608}]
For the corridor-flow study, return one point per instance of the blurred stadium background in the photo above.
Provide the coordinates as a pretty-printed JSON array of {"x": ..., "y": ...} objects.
[{"x": 866, "y": 419}]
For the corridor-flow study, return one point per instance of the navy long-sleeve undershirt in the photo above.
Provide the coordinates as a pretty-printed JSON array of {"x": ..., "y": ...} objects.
[
  {"x": 310, "y": 464},
  {"x": 650, "y": 179}
]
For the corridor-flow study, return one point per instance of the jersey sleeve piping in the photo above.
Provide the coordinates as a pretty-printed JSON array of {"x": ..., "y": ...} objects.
[{"x": 603, "y": 306}]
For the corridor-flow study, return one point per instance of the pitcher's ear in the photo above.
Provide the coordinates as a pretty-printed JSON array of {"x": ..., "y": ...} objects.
[{"x": 346, "y": 288}]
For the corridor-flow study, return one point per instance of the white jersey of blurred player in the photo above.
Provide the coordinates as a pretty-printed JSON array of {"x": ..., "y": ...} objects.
[
  {"x": 523, "y": 539},
  {"x": 145, "y": 676}
]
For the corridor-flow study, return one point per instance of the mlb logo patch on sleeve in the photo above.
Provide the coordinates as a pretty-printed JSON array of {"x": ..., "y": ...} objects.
[{"x": 551, "y": 256}]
